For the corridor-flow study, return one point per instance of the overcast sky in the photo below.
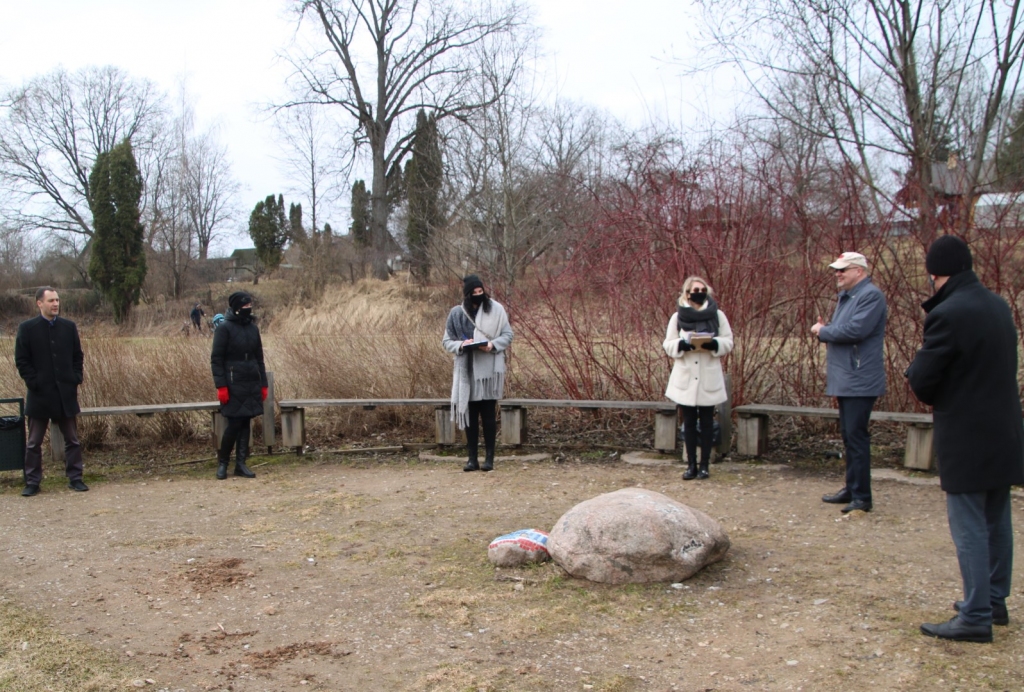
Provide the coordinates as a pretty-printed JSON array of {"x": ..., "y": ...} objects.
[{"x": 608, "y": 53}]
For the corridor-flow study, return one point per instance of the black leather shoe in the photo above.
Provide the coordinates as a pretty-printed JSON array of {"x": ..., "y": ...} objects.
[
  {"x": 471, "y": 466},
  {"x": 862, "y": 505},
  {"x": 702, "y": 474},
  {"x": 222, "y": 470},
  {"x": 242, "y": 470},
  {"x": 488, "y": 466},
  {"x": 840, "y": 498},
  {"x": 1000, "y": 616},
  {"x": 690, "y": 473},
  {"x": 78, "y": 486},
  {"x": 30, "y": 490},
  {"x": 957, "y": 631}
]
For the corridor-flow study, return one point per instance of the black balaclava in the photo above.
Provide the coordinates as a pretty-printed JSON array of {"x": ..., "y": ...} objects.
[
  {"x": 470, "y": 302},
  {"x": 237, "y": 300}
]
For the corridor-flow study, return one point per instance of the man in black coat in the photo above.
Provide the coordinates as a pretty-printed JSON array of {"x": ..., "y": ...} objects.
[
  {"x": 48, "y": 354},
  {"x": 967, "y": 371}
]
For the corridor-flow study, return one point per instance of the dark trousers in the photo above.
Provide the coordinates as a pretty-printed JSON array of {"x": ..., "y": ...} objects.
[
  {"x": 237, "y": 430},
  {"x": 706, "y": 416},
  {"x": 484, "y": 410},
  {"x": 854, "y": 414},
  {"x": 982, "y": 531},
  {"x": 34, "y": 451}
]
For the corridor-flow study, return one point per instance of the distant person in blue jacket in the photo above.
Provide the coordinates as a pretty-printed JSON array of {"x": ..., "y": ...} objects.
[{"x": 856, "y": 371}]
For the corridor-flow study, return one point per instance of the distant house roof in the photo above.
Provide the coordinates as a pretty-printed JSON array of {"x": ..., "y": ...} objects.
[
  {"x": 950, "y": 178},
  {"x": 950, "y": 181}
]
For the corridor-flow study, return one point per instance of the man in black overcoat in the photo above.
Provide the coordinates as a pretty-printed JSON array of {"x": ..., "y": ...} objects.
[
  {"x": 48, "y": 354},
  {"x": 967, "y": 371}
]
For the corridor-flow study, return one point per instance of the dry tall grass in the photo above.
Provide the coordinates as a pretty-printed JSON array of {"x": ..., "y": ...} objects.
[{"x": 367, "y": 340}]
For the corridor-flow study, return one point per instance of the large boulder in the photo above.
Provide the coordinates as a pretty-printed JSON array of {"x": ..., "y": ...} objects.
[{"x": 633, "y": 536}]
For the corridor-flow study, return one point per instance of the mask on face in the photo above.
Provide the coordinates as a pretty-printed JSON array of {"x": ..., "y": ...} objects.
[
  {"x": 699, "y": 298},
  {"x": 476, "y": 300},
  {"x": 245, "y": 312}
]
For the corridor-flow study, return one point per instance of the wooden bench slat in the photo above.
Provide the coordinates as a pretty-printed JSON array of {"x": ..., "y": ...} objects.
[
  {"x": 815, "y": 412},
  {"x": 320, "y": 403},
  {"x": 148, "y": 409},
  {"x": 590, "y": 404},
  {"x": 531, "y": 403}
]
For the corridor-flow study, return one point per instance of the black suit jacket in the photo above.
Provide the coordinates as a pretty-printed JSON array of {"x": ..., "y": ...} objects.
[{"x": 50, "y": 360}]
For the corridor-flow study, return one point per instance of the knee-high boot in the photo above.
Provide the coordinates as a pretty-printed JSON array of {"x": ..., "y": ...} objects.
[{"x": 241, "y": 454}]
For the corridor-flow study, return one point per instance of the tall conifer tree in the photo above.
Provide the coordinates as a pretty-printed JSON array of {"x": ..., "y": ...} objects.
[
  {"x": 118, "y": 259},
  {"x": 423, "y": 180},
  {"x": 269, "y": 230},
  {"x": 360, "y": 228}
]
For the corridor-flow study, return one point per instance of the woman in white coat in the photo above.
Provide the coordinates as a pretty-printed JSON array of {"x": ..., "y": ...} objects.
[{"x": 697, "y": 338}]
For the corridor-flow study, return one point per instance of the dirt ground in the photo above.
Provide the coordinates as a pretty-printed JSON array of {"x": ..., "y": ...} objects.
[{"x": 371, "y": 573}]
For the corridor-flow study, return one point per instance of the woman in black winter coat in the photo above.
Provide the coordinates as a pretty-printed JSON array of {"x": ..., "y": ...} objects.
[{"x": 241, "y": 381}]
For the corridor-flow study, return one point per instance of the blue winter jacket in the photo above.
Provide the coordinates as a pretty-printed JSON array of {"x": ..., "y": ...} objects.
[{"x": 854, "y": 337}]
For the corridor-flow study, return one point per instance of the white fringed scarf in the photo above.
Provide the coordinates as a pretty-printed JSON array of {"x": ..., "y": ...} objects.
[{"x": 488, "y": 368}]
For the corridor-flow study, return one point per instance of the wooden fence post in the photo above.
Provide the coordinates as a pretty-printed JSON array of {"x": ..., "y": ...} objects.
[
  {"x": 293, "y": 429},
  {"x": 444, "y": 427},
  {"x": 268, "y": 415},
  {"x": 666, "y": 428},
  {"x": 725, "y": 419},
  {"x": 56, "y": 442},
  {"x": 220, "y": 424},
  {"x": 513, "y": 425}
]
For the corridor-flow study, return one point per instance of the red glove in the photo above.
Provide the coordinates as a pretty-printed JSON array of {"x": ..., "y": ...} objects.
[
  {"x": 263, "y": 394},
  {"x": 222, "y": 395}
]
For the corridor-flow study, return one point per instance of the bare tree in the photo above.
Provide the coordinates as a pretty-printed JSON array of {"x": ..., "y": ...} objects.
[
  {"x": 419, "y": 55},
  {"x": 51, "y": 131},
  {"x": 190, "y": 195},
  {"x": 209, "y": 188},
  {"x": 310, "y": 156},
  {"x": 884, "y": 80},
  {"x": 14, "y": 257},
  {"x": 522, "y": 176}
]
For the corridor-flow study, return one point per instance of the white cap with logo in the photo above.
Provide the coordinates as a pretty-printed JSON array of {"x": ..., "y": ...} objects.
[{"x": 850, "y": 259}]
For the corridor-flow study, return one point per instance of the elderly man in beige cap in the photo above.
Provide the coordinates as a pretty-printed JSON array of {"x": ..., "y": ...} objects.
[{"x": 856, "y": 371}]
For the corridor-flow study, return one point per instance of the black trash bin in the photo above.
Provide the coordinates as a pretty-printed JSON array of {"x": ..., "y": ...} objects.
[{"x": 12, "y": 438}]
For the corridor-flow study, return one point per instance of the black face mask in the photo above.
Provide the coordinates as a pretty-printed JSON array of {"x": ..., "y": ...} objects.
[
  {"x": 245, "y": 312},
  {"x": 698, "y": 298},
  {"x": 476, "y": 300}
]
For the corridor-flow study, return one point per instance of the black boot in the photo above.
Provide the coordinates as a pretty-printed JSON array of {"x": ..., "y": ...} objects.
[
  {"x": 222, "y": 467},
  {"x": 488, "y": 461},
  {"x": 703, "y": 473},
  {"x": 691, "y": 471},
  {"x": 472, "y": 442},
  {"x": 241, "y": 454}
]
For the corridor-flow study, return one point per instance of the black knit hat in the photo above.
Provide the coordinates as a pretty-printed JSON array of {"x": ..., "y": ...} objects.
[
  {"x": 948, "y": 256},
  {"x": 237, "y": 299},
  {"x": 470, "y": 283}
]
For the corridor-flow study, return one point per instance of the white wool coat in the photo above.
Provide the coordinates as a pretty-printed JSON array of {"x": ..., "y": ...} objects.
[{"x": 697, "y": 378}]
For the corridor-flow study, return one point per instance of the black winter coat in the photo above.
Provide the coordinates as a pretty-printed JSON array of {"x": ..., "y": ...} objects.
[
  {"x": 50, "y": 360},
  {"x": 967, "y": 370},
  {"x": 237, "y": 362}
]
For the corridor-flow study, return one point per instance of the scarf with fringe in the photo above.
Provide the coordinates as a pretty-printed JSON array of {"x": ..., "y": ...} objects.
[{"x": 487, "y": 370}]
